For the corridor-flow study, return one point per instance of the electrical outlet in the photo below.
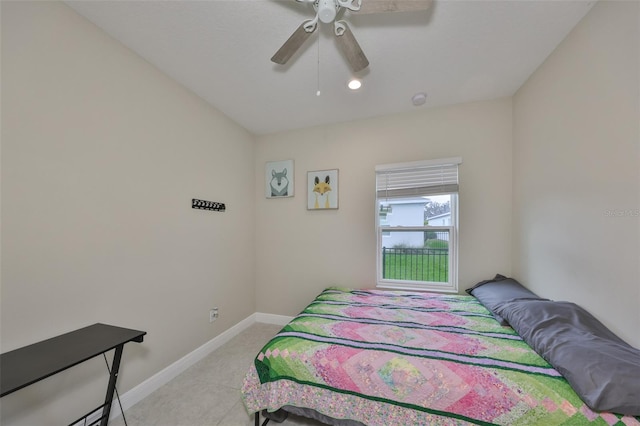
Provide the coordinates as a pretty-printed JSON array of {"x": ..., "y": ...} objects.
[{"x": 213, "y": 314}]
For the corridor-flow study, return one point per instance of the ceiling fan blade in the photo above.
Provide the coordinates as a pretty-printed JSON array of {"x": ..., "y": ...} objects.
[
  {"x": 292, "y": 45},
  {"x": 351, "y": 49},
  {"x": 381, "y": 6}
]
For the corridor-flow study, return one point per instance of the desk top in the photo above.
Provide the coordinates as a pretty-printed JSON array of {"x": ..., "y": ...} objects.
[{"x": 25, "y": 366}]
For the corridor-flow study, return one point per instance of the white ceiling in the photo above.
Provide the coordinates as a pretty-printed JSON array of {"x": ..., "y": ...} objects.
[{"x": 458, "y": 51}]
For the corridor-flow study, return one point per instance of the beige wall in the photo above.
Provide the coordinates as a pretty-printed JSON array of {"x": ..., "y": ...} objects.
[
  {"x": 576, "y": 170},
  {"x": 101, "y": 155},
  {"x": 300, "y": 252}
]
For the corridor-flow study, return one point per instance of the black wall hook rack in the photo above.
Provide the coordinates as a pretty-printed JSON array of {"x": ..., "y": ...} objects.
[{"x": 207, "y": 205}]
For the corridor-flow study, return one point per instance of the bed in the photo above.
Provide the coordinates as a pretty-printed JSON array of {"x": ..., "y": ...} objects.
[{"x": 386, "y": 358}]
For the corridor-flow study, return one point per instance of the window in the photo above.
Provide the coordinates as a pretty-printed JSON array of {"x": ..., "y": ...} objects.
[{"x": 416, "y": 224}]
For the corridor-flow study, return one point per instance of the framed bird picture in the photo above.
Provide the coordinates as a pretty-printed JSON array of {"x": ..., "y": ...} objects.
[{"x": 322, "y": 190}]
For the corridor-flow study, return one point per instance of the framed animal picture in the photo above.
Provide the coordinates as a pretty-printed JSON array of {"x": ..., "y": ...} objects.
[
  {"x": 322, "y": 190},
  {"x": 279, "y": 179}
]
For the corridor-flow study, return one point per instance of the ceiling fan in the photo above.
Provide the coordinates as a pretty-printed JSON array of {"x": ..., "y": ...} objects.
[{"x": 328, "y": 10}]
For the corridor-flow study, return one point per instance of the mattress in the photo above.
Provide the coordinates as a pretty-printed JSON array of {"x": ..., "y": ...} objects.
[{"x": 407, "y": 358}]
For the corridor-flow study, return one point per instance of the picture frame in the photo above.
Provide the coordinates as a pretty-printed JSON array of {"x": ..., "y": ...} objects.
[
  {"x": 279, "y": 179},
  {"x": 322, "y": 189}
]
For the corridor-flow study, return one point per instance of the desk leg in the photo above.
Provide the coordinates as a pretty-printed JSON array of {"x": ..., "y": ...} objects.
[{"x": 115, "y": 366}]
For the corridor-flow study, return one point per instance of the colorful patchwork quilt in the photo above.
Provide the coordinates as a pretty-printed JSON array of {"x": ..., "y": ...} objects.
[{"x": 404, "y": 358}]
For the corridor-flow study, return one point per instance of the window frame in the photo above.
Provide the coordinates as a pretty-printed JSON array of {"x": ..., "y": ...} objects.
[{"x": 451, "y": 286}]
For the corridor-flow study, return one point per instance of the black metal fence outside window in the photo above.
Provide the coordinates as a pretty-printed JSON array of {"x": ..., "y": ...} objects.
[
  {"x": 429, "y": 263},
  {"x": 415, "y": 264}
]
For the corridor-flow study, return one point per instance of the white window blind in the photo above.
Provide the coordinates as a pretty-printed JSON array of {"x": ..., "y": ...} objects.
[{"x": 418, "y": 178}]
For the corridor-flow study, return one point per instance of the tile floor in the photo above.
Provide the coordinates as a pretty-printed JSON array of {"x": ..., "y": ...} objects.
[{"x": 208, "y": 393}]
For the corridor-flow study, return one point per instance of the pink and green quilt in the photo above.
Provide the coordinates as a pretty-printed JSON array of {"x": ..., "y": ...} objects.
[{"x": 404, "y": 358}]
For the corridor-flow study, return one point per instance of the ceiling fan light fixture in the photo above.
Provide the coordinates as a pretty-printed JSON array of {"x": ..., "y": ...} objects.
[
  {"x": 354, "y": 84},
  {"x": 327, "y": 11}
]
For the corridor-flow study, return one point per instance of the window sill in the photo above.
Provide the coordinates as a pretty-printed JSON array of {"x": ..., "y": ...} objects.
[{"x": 416, "y": 287}]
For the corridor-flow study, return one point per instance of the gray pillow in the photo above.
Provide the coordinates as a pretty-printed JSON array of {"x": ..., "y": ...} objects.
[
  {"x": 602, "y": 368},
  {"x": 492, "y": 293}
]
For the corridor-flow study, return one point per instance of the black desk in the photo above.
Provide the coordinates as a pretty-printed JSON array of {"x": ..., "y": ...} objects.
[{"x": 30, "y": 364}]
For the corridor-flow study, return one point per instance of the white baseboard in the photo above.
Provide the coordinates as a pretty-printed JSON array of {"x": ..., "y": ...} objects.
[
  {"x": 144, "y": 389},
  {"x": 272, "y": 319}
]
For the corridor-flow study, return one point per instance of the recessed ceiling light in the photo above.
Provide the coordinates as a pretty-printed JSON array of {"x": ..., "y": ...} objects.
[
  {"x": 419, "y": 98},
  {"x": 354, "y": 84}
]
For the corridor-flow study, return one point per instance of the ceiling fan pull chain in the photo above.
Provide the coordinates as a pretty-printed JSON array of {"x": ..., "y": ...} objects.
[{"x": 318, "y": 92}]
